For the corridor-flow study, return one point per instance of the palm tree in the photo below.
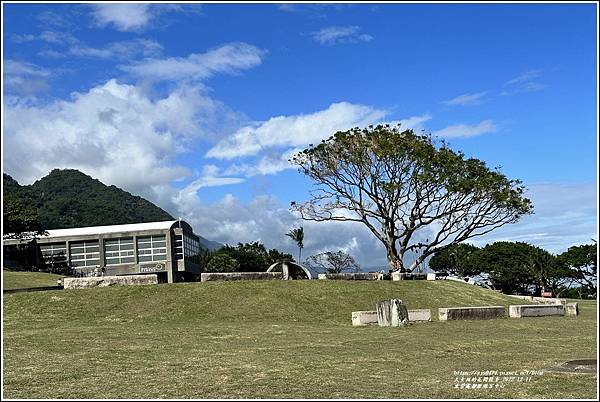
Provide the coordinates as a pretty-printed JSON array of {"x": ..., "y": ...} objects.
[{"x": 298, "y": 236}]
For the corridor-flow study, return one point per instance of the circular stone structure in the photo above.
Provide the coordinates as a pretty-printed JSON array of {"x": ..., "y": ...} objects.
[
  {"x": 290, "y": 270},
  {"x": 583, "y": 366}
]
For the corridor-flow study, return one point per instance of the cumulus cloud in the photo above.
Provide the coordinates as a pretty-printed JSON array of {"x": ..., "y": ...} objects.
[
  {"x": 466, "y": 130},
  {"x": 229, "y": 58},
  {"x": 335, "y": 35},
  {"x": 295, "y": 130},
  {"x": 466, "y": 99},
  {"x": 114, "y": 132}
]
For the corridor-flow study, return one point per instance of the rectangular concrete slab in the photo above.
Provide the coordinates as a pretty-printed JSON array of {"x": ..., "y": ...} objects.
[
  {"x": 471, "y": 313},
  {"x": 103, "y": 281},
  {"x": 352, "y": 276},
  {"x": 362, "y": 318},
  {"x": 572, "y": 309},
  {"x": 539, "y": 310},
  {"x": 421, "y": 315},
  {"x": 239, "y": 276}
]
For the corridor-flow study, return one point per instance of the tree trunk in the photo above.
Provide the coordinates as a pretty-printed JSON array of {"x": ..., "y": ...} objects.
[
  {"x": 394, "y": 261},
  {"x": 392, "y": 313}
]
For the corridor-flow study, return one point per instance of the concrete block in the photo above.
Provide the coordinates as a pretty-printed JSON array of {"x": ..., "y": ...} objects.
[
  {"x": 572, "y": 309},
  {"x": 471, "y": 313},
  {"x": 392, "y": 313},
  {"x": 362, "y": 318},
  {"x": 421, "y": 315},
  {"x": 536, "y": 310},
  {"x": 549, "y": 300},
  {"x": 405, "y": 276},
  {"x": 352, "y": 276},
  {"x": 431, "y": 277},
  {"x": 104, "y": 281},
  {"x": 240, "y": 276}
]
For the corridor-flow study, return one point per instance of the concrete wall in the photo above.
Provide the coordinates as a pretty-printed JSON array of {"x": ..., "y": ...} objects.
[
  {"x": 352, "y": 276},
  {"x": 103, "y": 281},
  {"x": 404, "y": 276},
  {"x": 239, "y": 276},
  {"x": 471, "y": 313},
  {"x": 533, "y": 310},
  {"x": 363, "y": 318},
  {"x": 572, "y": 309}
]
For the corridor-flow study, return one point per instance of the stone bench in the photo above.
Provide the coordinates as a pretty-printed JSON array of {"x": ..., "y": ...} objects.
[
  {"x": 104, "y": 281},
  {"x": 352, "y": 276},
  {"x": 471, "y": 313},
  {"x": 536, "y": 310},
  {"x": 239, "y": 276},
  {"x": 363, "y": 318},
  {"x": 406, "y": 276},
  {"x": 572, "y": 309}
]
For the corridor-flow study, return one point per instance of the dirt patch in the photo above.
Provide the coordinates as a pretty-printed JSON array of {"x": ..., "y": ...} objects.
[{"x": 583, "y": 366}]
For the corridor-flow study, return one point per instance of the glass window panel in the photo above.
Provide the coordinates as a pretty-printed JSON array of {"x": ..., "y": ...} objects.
[
  {"x": 112, "y": 261},
  {"x": 111, "y": 248},
  {"x": 127, "y": 246},
  {"x": 160, "y": 257},
  {"x": 144, "y": 245},
  {"x": 160, "y": 251},
  {"x": 145, "y": 258},
  {"x": 159, "y": 244},
  {"x": 127, "y": 259}
]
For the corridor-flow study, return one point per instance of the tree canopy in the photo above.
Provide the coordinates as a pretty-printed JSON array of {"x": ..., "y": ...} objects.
[
  {"x": 455, "y": 259},
  {"x": 414, "y": 196},
  {"x": 332, "y": 262},
  {"x": 583, "y": 264}
]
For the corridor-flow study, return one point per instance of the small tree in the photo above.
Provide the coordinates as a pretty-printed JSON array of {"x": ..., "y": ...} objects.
[
  {"x": 222, "y": 263},
  {"x": 455, "y": 259},
  {"x": 332, "y": 262},
  {"x": 413, "y": 196},
  {"x": 20, "y": 220},
  {"x": 298, "y": 236}
]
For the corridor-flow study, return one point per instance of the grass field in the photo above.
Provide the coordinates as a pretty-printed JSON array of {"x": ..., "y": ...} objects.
[
  {"x": 25, "y": 280},
  {"x": 277, "y": 339}
]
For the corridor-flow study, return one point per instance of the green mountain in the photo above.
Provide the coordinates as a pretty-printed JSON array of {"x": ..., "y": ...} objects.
[{"x": 69, "y": 199}]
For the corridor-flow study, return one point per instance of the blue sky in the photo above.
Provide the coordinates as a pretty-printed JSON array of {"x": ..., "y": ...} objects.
[{"x": 196, "y": 107}]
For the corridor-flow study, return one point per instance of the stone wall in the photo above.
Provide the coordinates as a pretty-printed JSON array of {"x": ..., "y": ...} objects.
[
  {"x": 103, "y": 281},
  {"x": 363, "y": 318},
  {"x": 471, "y": 313},
  {"x": 536, "y": 310},
  {"x": 352, "y": 276},
  {"x": 240, "y": 276}
]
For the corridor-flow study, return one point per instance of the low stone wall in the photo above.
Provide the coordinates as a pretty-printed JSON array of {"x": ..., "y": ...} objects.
[
  {"x": 549, "y": 300},
  {"x": 364, "y": 318},
  {"x": 103, "y": 281},
  {"x": 572, "y": 309},
  {"x": 471, "y": 313},
  {"x": 421, "y": 315},
  {"x": 407, "y": 276},
  {"x": 536, "y": 310},
  {"x": 240, "y": 276},
  {"x": 352, "y": 276}
]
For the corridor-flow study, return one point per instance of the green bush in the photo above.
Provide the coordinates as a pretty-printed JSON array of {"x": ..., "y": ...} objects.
[{"x": 222, "y": 263}]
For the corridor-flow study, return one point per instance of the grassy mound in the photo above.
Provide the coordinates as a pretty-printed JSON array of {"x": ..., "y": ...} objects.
[
  {"x": 277, "y": 339},
  {"x": 26, "y": 280}
]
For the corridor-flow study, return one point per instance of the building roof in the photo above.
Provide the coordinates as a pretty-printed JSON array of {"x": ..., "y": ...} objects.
[{"x": 94, "y": 230}]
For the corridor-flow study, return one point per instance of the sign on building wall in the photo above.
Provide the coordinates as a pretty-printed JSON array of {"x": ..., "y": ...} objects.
[{"x": 155, "y": 267}]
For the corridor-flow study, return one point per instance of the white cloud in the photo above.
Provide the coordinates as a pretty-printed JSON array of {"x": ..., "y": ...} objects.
[
  {"x": 339, "y": 35},
  {"x": 123, "y": 16},
  {"x": 296, "y": 130},
  {"x": 25, "y": 78},
  {"x": 467, "y": 130},
  {"x": 114, "y": 132},
  {"x": 119, "y": 50},
  {"x": 565, "y": 215},
  {"x": 466, "y": 99},
  {"x": 526, "y": 82},
  {"x": 53, "y": 37},
  {"x": 230, "y": 58},
  {"x": 272, "y": 163}
]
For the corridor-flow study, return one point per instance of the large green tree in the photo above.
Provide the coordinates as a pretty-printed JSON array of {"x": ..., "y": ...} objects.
[
  {"x": 413, "y": 195},
  {"x": 19, "y": 219},
  {"x": 455, "y": 259},
  {"x": 582, "y": 262},
  {"x": 517, "y": 267},
  {"x": 253, "y": 257}
]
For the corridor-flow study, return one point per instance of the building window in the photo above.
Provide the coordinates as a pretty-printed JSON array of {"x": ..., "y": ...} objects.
[
  {"x": 152, "y": 248},
  {"x": 53, "y": 254},
  {"x": 191, "y": 245},
  {"x": 179, "y": 247},
  {"x": 85, "y": 253},
  {"x": 119, "y": 251}
]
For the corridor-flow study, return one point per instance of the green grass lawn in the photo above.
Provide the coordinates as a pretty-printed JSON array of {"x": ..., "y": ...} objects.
[
  {"x": 25, "y": 280},
  {"x": 274, "y": 339}
]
